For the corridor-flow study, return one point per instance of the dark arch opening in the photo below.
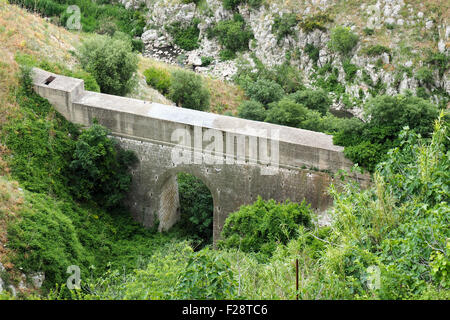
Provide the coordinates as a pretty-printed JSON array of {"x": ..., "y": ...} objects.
[{"x": 196, "y": 210}]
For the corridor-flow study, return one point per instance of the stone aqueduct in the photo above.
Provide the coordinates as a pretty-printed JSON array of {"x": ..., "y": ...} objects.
[{"x": 248, "y": 158}]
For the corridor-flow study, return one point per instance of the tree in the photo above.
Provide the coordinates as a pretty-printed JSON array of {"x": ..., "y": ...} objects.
[
  {"x": 111, "y": 61},
  {"x": 264, "y": 91},
  {"x": 99, "y": 169},
  {"x": 400, "y": 111},
  {"x": 188, "y": 91},
  {"x": 196, "y": 208},
  {"x": 367, "y": 143},
  {"x": 252, "y": 110},
  {"x": 343, "y": 40},
  {"x": 286, "y": 112},
  {"x": 313, "y": 99},
  {"x": 261, "y": 226}
]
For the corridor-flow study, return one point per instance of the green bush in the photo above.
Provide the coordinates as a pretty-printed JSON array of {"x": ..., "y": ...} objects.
[
  {"x": 264, "y": 91},
  {"x": 252, "y": 110},
  {"x": 196, "y": 209},
  {"x": 100, "y": 168},
  {"x": 206, "y": 61},
  {"x": 368, "y": 31},
  {"x": 261, "y": 226},
  {"x": 90, "y": 83},
  {"x": 112, "y": 63},
  {"x": 376, "y": 50},
  {"x": 287, "y": 113},
  {"x": 440, "y": 61},
  {"x": 95, "y": 16},
  {"x": 313, "y": 99},
  {"x": 425, "y": 75},
  {"x": 317, "y": 21},
  {"x": 185, "y": 37},
  {"x": 287, "y": 76},
  {"x": 233, "y": 34},
  {"x": 343, "y": 40},
  {"x": 350, "y": 70},
  {"x": 233, "y": 4},
  {"x": 400, "y": 111},
  {"x": 284, "y": 25},
  {"x": 187, "y": 90},
  {"x": 158, "y": 78},
  {"x": 45, "y": 240},
  {"x": 206, "y": 276},
  {"x": 368, "y": 143},
  {"x": 313, "y": 52},
  {"x": 138, "y": 45}
]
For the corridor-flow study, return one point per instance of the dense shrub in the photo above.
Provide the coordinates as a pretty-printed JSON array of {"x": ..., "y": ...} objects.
[
  {"x": 252, "y": 110},
  {"x": 187, "y": 90},
  {"x": 440, "y": 61},
  {"x": 260, "y": 226},
  {"x": 100, "y": 168},
  {"x": 138, "y": 45},
  {"x": 158, "y": 78},
  {"x": 342, "y": 40},
  {"x": 46, "y": 240},
  {"x": 185, "y": 36},
  {"x": 399, "y": 217},
  {"x": 264, "y": 91},
  {"x": 111, "y": 61},
  {"x": 233, "y": 4},
  {"x": 95, "y": 16},
  {"x": 350, "y": 70},
  {"x": 425, "y": 75},
  {"x": 207, "y": 275},
  {"x": 368, "y": 31},
  {"x": 313, "y": 99},
  {"x": 367, "y": 144},
  {"x": 286, "y": 75},
  {"x": 286, "y": 112},
  {"x": 317, "y": 21},
  {"x": 233, "y": 35},
  {"x": 313, "y": 52},
  {"x": 376, "y": 50},
  {"x": 206, "y": 61},
  {"x": 402, "y": 110},
  {"x": 196, "y": 209},
  {"x": 284, "y": 25},
  {"x": 41, "y": 153}
]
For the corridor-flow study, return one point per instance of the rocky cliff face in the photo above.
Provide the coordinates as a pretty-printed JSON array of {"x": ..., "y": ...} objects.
[{"x": 410, "y": 30}]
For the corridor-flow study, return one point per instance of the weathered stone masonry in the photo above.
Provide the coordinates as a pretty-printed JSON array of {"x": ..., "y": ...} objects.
[{"x": 147, "y": 128}]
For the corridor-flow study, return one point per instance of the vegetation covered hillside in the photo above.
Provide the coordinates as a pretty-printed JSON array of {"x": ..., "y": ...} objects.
[{"x": 61, "y": 187}]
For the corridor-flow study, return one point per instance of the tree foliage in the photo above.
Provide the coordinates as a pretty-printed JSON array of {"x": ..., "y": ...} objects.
[
  {"x": 100, "y": 168},
  {"x": 196, "y": 209},
  {"x": 343, "y": 40},
  {"x": 187, "y": 90},
  {"x": 111, "y": 61},
  {"x": 261, "y": 226},
  {"x": 252, "y": 110}
]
